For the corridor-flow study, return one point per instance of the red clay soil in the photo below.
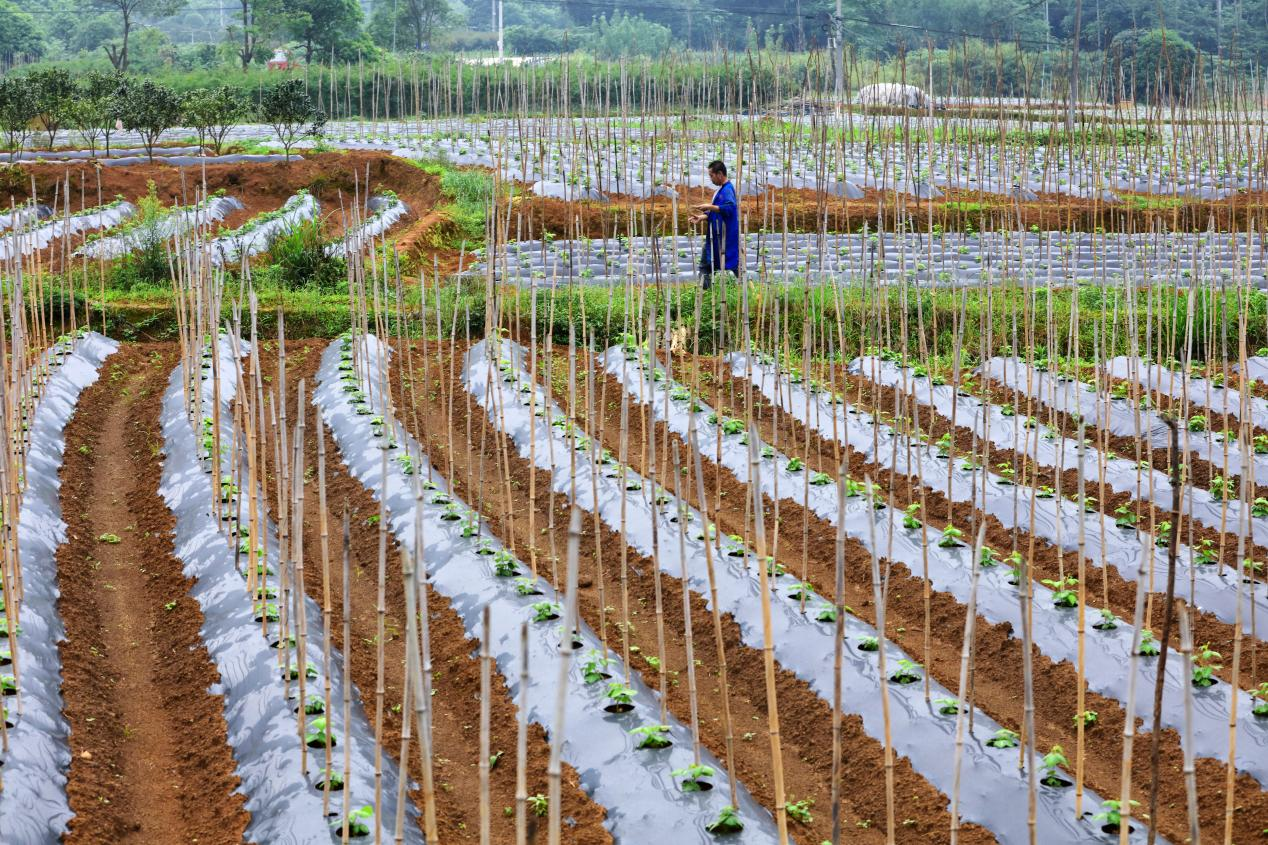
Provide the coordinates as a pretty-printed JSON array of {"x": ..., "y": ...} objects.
[
  {"x": 333, "y": 178},
  {"x": 537, "y": 524},
  {"x": 998, "y": 654},
  {"x": 805, "y": 210},
  {"x": 456, "y": 676},
  {"x": 150, "y": 761}
]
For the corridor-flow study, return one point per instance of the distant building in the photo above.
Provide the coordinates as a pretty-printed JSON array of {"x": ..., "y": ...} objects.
[{"x": 281, "y": 60}]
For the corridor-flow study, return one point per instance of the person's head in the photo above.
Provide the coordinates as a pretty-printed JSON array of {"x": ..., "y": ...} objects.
[{"x": 717, "y": 172}]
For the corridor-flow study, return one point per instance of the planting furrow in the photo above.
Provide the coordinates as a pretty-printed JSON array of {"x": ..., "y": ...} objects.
[
  {"x": 264, "y": 726},
  {"x": 149, "y": 760},
  {"x": 949, "y": 562},
  {"x": 1116, "y": 415},
  {"x": 173, "y": 223},
  {"x": 471, "y": 569},
  {"x": 1196, "y": 391},
  {"x": 386, "y": 208},
  {"x": 34, "y": 807},
  {"x": 1216, "y": 587},
  {"x": 40, "y": 234},
  {"x": 805, "y": 648},
  {"x": 257, "y": 234}
]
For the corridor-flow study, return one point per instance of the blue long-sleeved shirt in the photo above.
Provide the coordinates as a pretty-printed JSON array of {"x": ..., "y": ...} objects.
[{"x": 722, "y": 236}]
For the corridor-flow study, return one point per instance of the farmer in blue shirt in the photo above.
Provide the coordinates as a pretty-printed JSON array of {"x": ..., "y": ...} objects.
[{"x": 722, "y": 232}]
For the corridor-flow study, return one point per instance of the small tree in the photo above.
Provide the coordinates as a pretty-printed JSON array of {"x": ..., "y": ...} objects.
[
  {"x": 149, "y": 110},
  {"x": 128, "y": 11},
  {"x": 54, "y": 91},
  {"x": 91, "y": 112},
  {"x": 289, "y": 109},
  {"x": 213, "y": 113},
  {"x": 17, "y": 110}
]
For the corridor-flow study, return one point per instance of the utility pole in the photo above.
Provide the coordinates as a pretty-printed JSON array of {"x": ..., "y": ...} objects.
[{"x": 501, "y": 32}]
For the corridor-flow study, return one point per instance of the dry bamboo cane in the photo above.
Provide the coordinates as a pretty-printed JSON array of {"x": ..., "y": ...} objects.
[
  {"x": 970, "y": 627},
  {"x": 1165, "y": 638},
  {"x": 768, "y": 640},
  {"x": 1028, "y": 687},
  {"x": 727, "y": 725},
  {"x": 418, "y": 662},
  {"x": 347, "y": 675},
  {"x": 686, "y": 609},
  {"x": 406, "y": 700},
  {"x": 554, "y": 772},
  {"x": 324, "y": 523},
  {"x": 486, "y": 684},
  {"x": 838, "y": 650},
  {"x": 521, "y": 746},
  {"x": 1190, "y": 771}
]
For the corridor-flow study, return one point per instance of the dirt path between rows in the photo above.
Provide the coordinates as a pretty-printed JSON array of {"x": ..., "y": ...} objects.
[{"x": 150, "y": 762}]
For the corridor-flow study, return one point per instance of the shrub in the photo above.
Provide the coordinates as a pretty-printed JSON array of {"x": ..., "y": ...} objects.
[
  {"x": 299, "y": 260},
  {"x": 626, "y": 35}
]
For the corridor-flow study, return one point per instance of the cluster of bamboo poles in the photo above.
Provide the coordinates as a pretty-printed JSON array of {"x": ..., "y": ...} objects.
[{"x": 28, "y": 332}]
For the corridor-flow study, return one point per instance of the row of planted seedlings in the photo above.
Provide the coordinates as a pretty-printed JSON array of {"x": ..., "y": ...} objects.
[
  {"x": 644, "y": 766},
  {"x": 799, "y": 807},
  {"x": 1219, "y": 529},
  {"x": 889, "y": 450},
  {"x": 42, "y": 374},
  {"x": 1204, "y": 672},
  {"x": 819, "y": 407},
  {"x": 40, "y": 395},
  {"x": 619, "y": 495},
  {"x": 306, "y": 752}
]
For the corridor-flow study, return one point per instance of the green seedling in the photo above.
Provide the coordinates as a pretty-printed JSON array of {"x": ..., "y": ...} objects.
[
  {"x": 319, "y": 734},
  {"x": 1163, "y": 538},
  {"x": 652, "y": 736},
  {"x": 869, "y": 643},
  {"x": 826, "y": 613},
  {"x": 1111, "y": 814},
  {"x": 910, "y": 521},
  {"x": 109, "y": 539},
  {"x": 1053, "y": 761},
  {"x": 948, "y": 706},
  {"x": 1205, "y": 664},
  {"x": 728, "y": 821},
  {"x": 539, "y": 804},
  {"x": 1107, "y": 622},
  {"x": 796, "y": 465},
  {"x": 908, "y": 672},
  {"x": 1148, "y": 645},
  {"x": 314, "y": 705},
  {"x": 358, "y": 822},
  {"x": 1197, "y": 423},
  {"x": 1205, "y": 553},
  {"x": 693, "y": 778},
  {"x": 1063, "y": 592},
  {"x": 950, "y": 537},
  {"x": 800, "y": 810},
  {"x": 544, "y": 611},
  {"x": 504, "y": 564},
  {"x": 1088, "y": 717},
  {"x": 526, "y": 587},
  {"x": 1125, "y": 516},
  {"x": 595, "y": 666},
  {"x": 820, "y": 479},
  {"x": 988, "y": 557},
  {"x": 620, "y": 696},
  {"x": 802, "y": 590},
  {"x": 1260, "y": 695},
  {"x": 1003, "y": 738}
]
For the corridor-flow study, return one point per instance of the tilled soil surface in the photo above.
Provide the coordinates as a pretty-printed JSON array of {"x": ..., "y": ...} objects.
[
  {"x": 521, "y": 510},
  {"x": 150, "y": 762},
  {"x": 456, "y": 673},
  {"x": 997, "y": 682}
]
